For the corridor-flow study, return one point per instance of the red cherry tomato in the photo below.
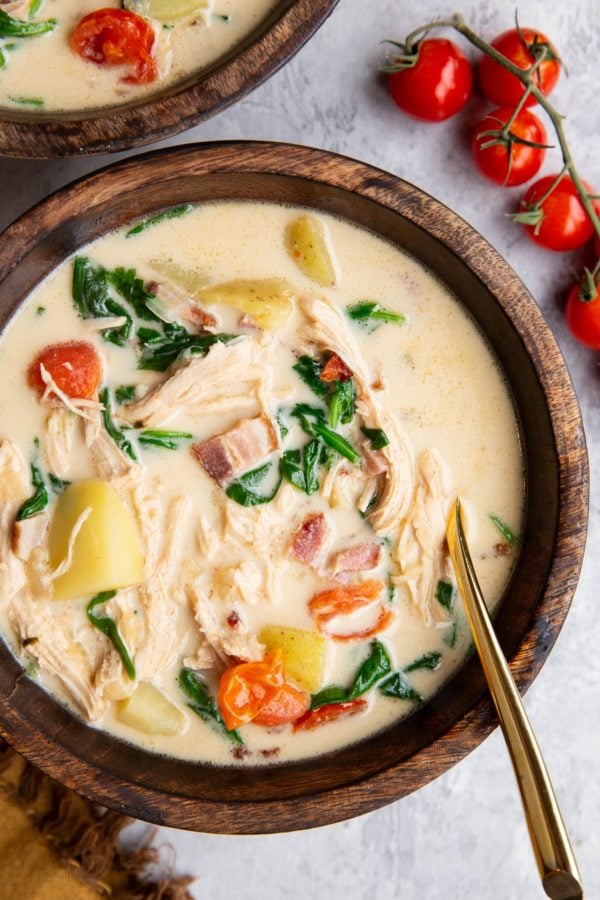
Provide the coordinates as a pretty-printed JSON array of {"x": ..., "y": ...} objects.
[
  {"x": 245, "y": 689},
  {"x": 116, "y": 37},
  {"x": 524, "y": 161},
  {"x": 75, "y": 368},
  {"x": 437, "y": 86},
  {"x": 287, "y": 705},
  {"x": 505, "y": 89},
  {"x": 583, "y": 317},
  {"x": 329, "y": 713},
  {"x": 565, "y": 224}
]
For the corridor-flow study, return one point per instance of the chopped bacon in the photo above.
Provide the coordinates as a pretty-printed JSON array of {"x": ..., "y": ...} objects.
[
  {"x": 200, "y": 317},
  {"x": 359, "y": 558},
  {"x": 341, "y": 601},
  {"x": 329, "y": 713},
  {"x": 309, "y": 540},
  {"x": 375, "y": 462},
  {"x": 227, "y": 455},
  {"x": 335, "y": 369}
]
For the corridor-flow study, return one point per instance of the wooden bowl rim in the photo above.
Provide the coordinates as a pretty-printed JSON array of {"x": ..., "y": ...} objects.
[
  {"x": 375, "y": 790},
  {"x": 177, "y": 107}
]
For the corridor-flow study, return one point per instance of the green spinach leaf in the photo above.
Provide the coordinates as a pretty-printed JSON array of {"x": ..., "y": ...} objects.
[
  {"x": 203, "y": 704},
  {"x": 109, "y": 627}
]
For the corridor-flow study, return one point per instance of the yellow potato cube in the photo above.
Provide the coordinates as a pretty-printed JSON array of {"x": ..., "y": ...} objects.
[
  {"x": 303, "y": 653},
  {"x": 105, "y": 551},
  {"x": 306, "y": 243},
  {"x": 268, "y": 301},
  {"x": 148, "y": 710}
]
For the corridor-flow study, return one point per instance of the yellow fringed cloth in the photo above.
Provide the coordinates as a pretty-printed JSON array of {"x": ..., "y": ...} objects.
[{"x": 54, "y": 845}]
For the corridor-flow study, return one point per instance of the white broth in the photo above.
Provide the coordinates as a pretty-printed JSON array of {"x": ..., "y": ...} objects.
[
  {"x": 43, "y": 72},
  {"x": 214, "y": 572}
]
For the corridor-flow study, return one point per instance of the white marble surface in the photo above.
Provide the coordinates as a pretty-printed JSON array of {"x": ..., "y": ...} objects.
[{"x": 462, "y": 836}]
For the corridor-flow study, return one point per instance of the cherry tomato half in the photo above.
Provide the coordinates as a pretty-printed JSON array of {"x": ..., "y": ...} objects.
[
  {"x": 505, "y": 89},
  {"x": 494, "y": 162},
  {"x": 329, "y": 713},
  {"x": 75, "y": 368},
  {"x": 437, "y": 86},
  {"x": 565, "y": 224},
  {"x": 287, "y": 704},
  {"x": 583, "y": 317},
  {"x": 247, "y": 688},
  {"x": 116, "y": 37}
]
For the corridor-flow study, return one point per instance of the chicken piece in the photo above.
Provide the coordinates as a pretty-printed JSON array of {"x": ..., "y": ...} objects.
[
  {"x": 63, "y": 647},
  {"x": 18, "y": 9},
  {"x": 421, "y": 553},
  {"x": 201, "y": 381},
  {"x": 147, "y": 616},
  {"x": 265, "y": 529},
  {"x": 223, "y": 640},
  {"x": 14, "y": 489},
  {"x": 28, "y": 534},
  {"x": 61, "y": 425},
  {"x": 310, "y": 540},
  {"x": 328, "y": 328},
  {"x": 108, "y": 459},
  {"x": 359, "y": 558},
  {"x": 227, "y": 455}
]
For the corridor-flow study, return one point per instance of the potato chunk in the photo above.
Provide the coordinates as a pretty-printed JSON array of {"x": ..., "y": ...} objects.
[
  {"x": 148, "y": 710},
  {"x": 105, "y": 553},
  {"x": 167, "y": 10},
  {"x": 306, "y": 243},
  {"x": 303, "y": 653},
  {"x": 268, "y": 301}
]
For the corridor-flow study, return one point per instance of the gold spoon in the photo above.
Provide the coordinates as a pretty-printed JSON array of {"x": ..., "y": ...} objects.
[{"x": 553, "y": 851}]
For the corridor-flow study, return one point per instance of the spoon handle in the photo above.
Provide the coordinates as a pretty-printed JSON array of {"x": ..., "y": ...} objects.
[{"x": 553, "y": 851}]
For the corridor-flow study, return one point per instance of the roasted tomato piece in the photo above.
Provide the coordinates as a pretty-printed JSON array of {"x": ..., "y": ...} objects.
[
  {"x": 335, "y": 369},
  {"x": 288, "y": 704},
  {"x": 246, "y": 689},
  {"x": 329, "y": 713},
  {"x": 74, "y": 367},
  {"x": 340, "y": 601},
  {"x": 116, "y": 37}
]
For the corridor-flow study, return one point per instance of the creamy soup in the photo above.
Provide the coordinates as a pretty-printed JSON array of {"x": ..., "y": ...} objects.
[
  {"x": 85, "y": 54},
  {"x": 231, "y": 435}
]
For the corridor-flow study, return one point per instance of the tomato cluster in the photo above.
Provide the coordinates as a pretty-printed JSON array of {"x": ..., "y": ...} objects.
[{"x": 432, "y": 80}]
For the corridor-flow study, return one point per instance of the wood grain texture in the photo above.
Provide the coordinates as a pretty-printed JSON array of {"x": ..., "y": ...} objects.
[
  {"x": 357, "y": 779},
  {"x": 174, "y": 109}
]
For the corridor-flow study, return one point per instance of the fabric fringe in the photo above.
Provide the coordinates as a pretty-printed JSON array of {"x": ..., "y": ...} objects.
[{"x": 86, "y": 838}]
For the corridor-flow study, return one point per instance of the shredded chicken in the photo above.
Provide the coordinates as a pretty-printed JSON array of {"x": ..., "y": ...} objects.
[
  {"x": 19, "y": 9},
  {"x": 14, "y": 489},
  {"x": 421, "y": 552},
  {"x": 28, "y": 534},
  {"x": 205, "y": 380},
  {"x": 328, "y": 329},
  {"x": 61, "y": 425},
  {"x": 223, "y": 641},
  {"x": 108, "y": 459},
  {"x": 57, "y": 643}
]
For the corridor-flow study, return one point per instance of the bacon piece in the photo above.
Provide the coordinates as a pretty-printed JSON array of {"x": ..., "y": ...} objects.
[
  {"x": 309, "y": 540},
  {"x": 359, "y": 558},
  {"x": 200, "y": 317},
  {"x": 246, "y": 444},
  {"x": 335, "y": 369}
]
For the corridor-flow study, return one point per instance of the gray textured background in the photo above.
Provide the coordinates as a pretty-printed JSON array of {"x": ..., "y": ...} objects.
[{"x": 462, "y": 836}]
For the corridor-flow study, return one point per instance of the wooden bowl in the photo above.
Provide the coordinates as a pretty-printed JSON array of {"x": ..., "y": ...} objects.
[
  {"x": 381, "y": 769},
  {"x": 172, "y": 109}
]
